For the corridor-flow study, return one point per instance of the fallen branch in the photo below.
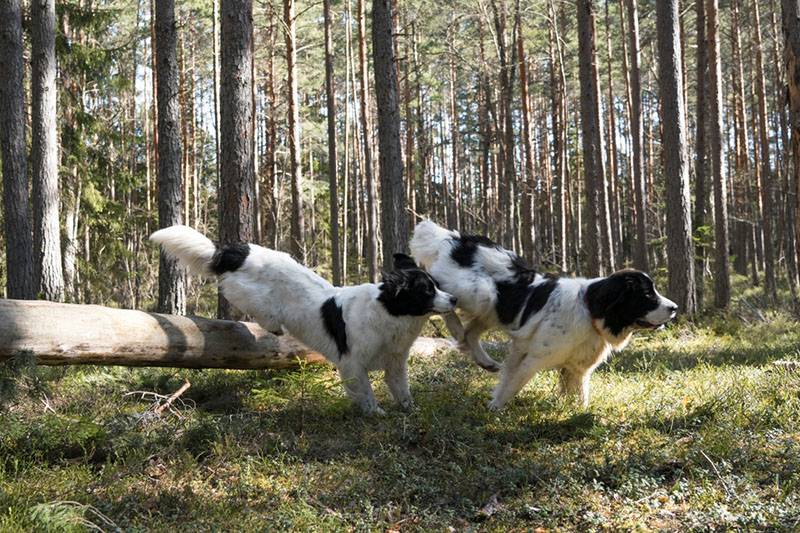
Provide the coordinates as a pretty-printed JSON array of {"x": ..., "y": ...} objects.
[
  {"x": 68, "y": 334},
  {"x": 175, "y": 395}
]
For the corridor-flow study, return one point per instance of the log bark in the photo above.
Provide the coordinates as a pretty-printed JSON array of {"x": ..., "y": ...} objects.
[{"x": 92, "y": 334}]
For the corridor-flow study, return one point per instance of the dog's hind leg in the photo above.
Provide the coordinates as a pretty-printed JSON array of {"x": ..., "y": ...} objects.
[
  {"x": 518, "y": 369},
  {"x": 472, "y": 343},
  {"x": 396, "y": 378},
  {"x": 359, "y": 390}
]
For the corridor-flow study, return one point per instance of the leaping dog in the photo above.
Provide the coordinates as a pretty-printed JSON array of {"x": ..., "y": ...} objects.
[{"x": 358, "y": 328}]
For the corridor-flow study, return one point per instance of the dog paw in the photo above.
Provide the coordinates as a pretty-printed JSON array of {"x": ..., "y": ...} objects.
[
  {"x": 494, "y": 406},
  {"x": 374, "y": 411},
  {"x": 493, "y": 366}
]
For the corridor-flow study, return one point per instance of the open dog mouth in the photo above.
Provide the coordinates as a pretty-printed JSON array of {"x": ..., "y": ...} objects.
[{"x": 647, "y": 325}]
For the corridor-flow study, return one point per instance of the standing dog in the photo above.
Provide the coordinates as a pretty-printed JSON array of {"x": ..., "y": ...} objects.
[
  {"x": 358, "y": 329},
  {"x": 568, "y": 324}
]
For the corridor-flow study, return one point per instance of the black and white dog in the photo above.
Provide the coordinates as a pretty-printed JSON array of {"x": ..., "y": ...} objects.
[
  {"x": 358, "y": 329},
  {"x": 570, "y": 324}
]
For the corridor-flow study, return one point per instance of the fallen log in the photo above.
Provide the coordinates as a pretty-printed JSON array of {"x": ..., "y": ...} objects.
[{"x": 68, "y": 334}]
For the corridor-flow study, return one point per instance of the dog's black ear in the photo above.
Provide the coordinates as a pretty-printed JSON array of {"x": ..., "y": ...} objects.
[
  {"x": 402, "y": 261},
  {"x": 605, "y": 295}
]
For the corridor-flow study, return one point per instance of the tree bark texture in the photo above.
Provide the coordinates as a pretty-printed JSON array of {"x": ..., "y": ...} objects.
[
  {"x": 92, "y": 334},
  {"x": 44, "y": 152},
  {"x": 394, "y": 226},
  {"x": 171, "y": 278},
  {"x": 680, "y": 258},
  {"x": 298, "y": 245},
  {"x": 722, "y": 288},
  {"x": 16, "y": 221},
  {"x": 592, "y": 137}
]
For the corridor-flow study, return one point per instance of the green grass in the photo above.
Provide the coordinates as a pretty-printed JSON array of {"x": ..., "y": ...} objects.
[{"x": 689, "y": 428}]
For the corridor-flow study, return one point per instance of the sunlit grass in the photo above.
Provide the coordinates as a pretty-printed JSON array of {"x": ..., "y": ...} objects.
[{"x": 692, "y": 427}]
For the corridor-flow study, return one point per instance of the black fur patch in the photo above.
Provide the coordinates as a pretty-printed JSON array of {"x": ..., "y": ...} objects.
[
  {"x": 334, "y": 323},
  {"x": 407, "y": 292},
  {"x": 539, "y": 294},
  {"x": 621, "y": 299},
  {"x": 511, "y": 294},
  {"x": 229, "y": 258},
  {"x": 466, "y": 246}
]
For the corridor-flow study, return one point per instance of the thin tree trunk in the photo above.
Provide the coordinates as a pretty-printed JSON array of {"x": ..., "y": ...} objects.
[
  {"x": 722, "y": 288},
  {"x": 20, "y": 281},
  {"x": 237, "y": 183},
  {"x": 372, "y": 229},
  {"x": 637, "y": 134},
  {"x": 394, "y": 228},
  {"x": 766, "y": 171},
  {"x": 171, "y": 278},
  {"x": 592, "y": 138},
  {"x": 701, "y": 156},
  {"x": 298, "y": 245},
  {"x": 676, "y": 166},
  {"x": 330, "y": 89},
  {"x": 528, "y": 179}
]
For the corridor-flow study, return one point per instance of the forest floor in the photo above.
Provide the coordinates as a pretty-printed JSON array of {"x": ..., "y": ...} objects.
[{"x": 693, "y": 427}]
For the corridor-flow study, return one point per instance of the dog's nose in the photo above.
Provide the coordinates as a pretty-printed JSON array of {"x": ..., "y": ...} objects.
[{"x": 453, "y": 301}]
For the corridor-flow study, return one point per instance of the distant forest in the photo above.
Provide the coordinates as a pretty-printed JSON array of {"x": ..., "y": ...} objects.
[{"x": 587, "y": 136}]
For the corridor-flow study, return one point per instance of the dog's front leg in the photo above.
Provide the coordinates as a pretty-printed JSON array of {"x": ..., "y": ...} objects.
[
  {"x": 576, "y": 382},
  {"x": 453, "y": 324},
  {"x": 359, "y": 390},
  {"x": 396, "y": 378},
  {"x": 472, "y": 343}
]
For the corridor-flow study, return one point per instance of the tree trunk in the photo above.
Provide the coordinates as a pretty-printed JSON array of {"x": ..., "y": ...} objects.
[
  {"x": 44, "y": 152},
  {"x": 767, "y": 179},
  {"x": 372, "y": 210},
  {"x": 171, "y": 278},
  {"x": 298, "y": 244},
  {"x": 680, "y": 261},
  {"x": 237, "y": 182},
  {"x": 592, "y": 139},
  {"x": 394, "y": 226},
  {"x": 528, "y": 179},
  {"x": 701, "y": 156},
  {"x": 330, "y": 89},
  {"x": 722, "y": 287},
  {"x": 20, "y": 281},
  {"x": 791, "y": 35}
]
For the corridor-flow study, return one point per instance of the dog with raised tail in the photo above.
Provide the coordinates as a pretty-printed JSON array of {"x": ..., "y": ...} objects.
[
  {"x": 569, "y": 324},
  {"x": 359, "y": 328}
]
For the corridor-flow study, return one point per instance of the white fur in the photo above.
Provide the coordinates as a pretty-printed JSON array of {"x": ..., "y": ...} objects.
[
  {"x": 279, "y": 292},
  {"x": 562, "y": 335}
]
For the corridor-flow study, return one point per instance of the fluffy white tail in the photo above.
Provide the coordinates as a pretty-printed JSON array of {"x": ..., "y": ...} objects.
[
  {"x": 191, "y": 248},
  {"x": 427, "y": 241}
]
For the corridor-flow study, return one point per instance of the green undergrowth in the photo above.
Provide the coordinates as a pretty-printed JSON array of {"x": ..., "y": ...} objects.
[{"x": 690, "y": 428}]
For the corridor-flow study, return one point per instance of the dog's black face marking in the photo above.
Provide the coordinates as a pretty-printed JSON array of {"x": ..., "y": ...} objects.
[
  {"x": 334, "y": 324},
  {"x": 229, "y": 258},
  {"x": 407, "y": 290},
  {"x": 466, "y": 247},
  {"x": 622, "y": 299},
  {"x": 539, "y": 294}
]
